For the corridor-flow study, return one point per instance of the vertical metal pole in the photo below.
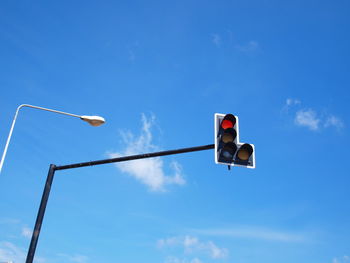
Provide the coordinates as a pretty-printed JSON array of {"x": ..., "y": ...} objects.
[
  {"x": 40, "y": 216},
  {"x": 9, "y": 138}
]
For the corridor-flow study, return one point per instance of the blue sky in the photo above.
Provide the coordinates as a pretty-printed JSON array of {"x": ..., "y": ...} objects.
[{"x": 157, "y": 71}]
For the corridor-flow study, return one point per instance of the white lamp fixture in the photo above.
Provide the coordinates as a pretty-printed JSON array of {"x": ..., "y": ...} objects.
[{"x": 92, "y": 120}]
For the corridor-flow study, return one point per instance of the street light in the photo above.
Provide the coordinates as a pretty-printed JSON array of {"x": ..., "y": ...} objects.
[{"x": 92, "y": 120}]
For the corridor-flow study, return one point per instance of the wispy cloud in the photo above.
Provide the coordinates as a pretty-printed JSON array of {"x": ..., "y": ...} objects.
[
  {"x": 227, "y": 39},
  {"x": 290, "y": 102},
  {"x": 9, "y": 221},
  {"x": 172, "y": 259},
  {"x": 148, "y": 171},
  {"x": 74, "y": 258},
  {"x": 192, "y": 245},
  {"x": 333, "y": 121},
  {"x": 11, "y": 253},
  {"x": 310, "y": 118},
  {"x": 132, "y": 51},
  {"x": 307, "y": 118},
  {"x": 132, "y": 56},
  {"x": 249, "y": 47},
  {"x": 343, "y": 259},
  {"x": 216, "y": 39},
  {"x": 27, "y": 232},
  {"x": 253, "y": 232}
]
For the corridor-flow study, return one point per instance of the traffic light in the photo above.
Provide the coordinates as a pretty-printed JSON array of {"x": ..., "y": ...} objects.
[{"x": 228, "y": 149}]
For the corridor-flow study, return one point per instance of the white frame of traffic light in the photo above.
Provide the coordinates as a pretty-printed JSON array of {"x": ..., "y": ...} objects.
[{"x": 218, "y": 117}]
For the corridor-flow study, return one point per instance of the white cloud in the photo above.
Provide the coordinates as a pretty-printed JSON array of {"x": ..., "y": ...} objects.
[
  {"x": 216, "y": 39},
  {"x": 9, "y": 221},
  {"x": 170, "y": 241},
  {"x": 252, "y": 232},
  {"x": 74, "y": 258},
  {"x": 132, "y": 56},
  {"x": 310, "y": 119},
  {"x": 307, "y": 118},
  {"x": 27, "y": 232},
  {"x": 334, "y": 121},
  {"x": 190, "y": 241},
  {"x": 12, "y": 253},
  {"x": 251, "y": 46},
  {"x": 172, "y": 259},
  {"x": 290, "y": 102},
  {"x": 193, "y": 245},
  {"x": 148, "y": 171},
  {"x": 131, "y": 51},
  {"x": 343, "y": 259}
]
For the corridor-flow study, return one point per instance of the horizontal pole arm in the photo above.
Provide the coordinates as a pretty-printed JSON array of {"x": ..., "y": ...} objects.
[
  {"x": 136, "y": 157},
  {"x": 46, "y": 109}
]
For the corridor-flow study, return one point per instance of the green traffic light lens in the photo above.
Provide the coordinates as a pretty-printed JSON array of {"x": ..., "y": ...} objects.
[
  {"x": 228, "y": 151},
  {"x": 227, "y": 155}
]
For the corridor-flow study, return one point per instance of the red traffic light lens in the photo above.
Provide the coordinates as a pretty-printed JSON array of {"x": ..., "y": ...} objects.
[
  {"x": 245, "y": 152},
  {"x": 228, "y": 122}
]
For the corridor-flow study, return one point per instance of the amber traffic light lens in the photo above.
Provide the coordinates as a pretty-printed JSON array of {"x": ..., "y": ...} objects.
[
  {"x": 243, "y": 155},
  {"x": 245, "y": 152},
  {"x": 229, "y": 135}
]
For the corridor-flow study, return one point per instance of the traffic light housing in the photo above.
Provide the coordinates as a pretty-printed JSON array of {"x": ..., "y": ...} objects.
[{"x": 228, "y": 149}]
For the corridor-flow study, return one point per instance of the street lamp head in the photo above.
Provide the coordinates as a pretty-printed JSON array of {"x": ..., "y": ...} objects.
[{"x": 93, "y": 120}]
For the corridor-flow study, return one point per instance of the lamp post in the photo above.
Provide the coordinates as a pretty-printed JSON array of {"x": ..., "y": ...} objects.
[{"x": 92, "y": 120}]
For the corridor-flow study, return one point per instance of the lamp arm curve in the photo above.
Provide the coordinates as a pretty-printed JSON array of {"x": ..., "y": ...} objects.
[
  {"x": 14, "y": 121},
  {"x": 42, "y": 108}
]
